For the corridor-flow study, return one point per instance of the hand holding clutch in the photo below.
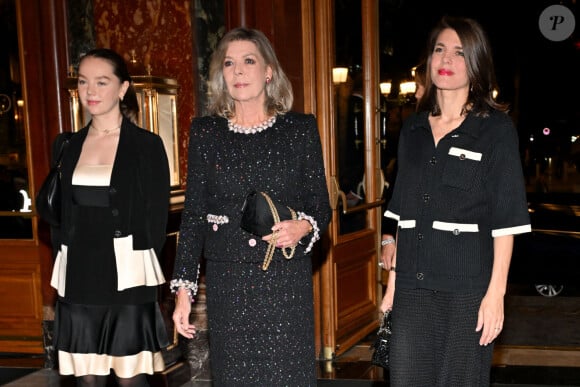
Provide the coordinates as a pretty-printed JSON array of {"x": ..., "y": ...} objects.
[{"x": 259, "y": 214}]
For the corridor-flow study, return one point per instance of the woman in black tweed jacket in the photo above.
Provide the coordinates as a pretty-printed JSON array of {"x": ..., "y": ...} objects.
[
  {"x": 458, "y": 200},
  {"x": 261, "y": 329}
]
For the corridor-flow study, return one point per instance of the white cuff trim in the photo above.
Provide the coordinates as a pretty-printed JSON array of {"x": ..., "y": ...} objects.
[
  {"x": 511, "y": 230},
  {"x": 190, "y": 287},
  {"x": 315, "y": 230}
]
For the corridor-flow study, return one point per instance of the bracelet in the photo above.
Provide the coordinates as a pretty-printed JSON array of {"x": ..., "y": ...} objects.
[
  {"x": 315, "y": 231},
  {"x": 387, "y": 241}
]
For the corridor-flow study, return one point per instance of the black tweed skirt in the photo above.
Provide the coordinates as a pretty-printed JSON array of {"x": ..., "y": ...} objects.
[
  {"x": 434, "y": 343},
  {"x": 261, "y": 329}
]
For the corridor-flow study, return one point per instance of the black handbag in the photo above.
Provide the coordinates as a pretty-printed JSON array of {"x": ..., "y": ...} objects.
[
  {"x": 48, "y": 200},
  {"x": 382, "y": 344},
  {"x": 259, "y": 214}
]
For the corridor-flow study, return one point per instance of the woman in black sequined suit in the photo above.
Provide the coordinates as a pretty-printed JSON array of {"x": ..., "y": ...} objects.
[{"x": 261, "y": 328}]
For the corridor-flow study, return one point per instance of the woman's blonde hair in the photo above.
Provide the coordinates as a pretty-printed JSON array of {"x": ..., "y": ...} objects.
[{"x": 279, "y": 96}]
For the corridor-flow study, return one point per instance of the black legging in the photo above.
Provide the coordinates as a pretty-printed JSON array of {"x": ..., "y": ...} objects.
[{"x": 101, "y": 381}]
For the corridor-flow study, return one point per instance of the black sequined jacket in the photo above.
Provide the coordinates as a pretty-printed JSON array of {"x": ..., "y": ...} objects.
[{"x": 284, "y": 160}]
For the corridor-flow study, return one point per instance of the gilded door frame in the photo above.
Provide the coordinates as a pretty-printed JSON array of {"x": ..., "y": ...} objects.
[{"x": 338, "y": 330}]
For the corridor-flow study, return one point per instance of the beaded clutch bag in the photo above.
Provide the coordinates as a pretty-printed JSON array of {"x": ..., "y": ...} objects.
[{"x": 382, "y": 343}]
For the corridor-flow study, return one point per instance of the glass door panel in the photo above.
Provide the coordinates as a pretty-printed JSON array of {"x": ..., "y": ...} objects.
[
  {"x": 15, "y": 200},
  {"x": 350, "y": 124}
]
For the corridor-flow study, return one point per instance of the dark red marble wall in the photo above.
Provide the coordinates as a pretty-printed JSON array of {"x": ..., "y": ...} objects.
[{"x": 160, "y": 32}]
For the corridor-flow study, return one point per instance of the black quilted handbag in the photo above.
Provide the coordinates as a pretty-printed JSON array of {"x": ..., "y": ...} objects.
[{"x": 382, "y": 343}]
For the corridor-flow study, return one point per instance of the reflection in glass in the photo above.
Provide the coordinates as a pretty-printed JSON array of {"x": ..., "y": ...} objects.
[
  {"x": 349, "y": 114},
  {"x": 15, "y": 202},
  {"x": 168, "y": 132},
  {"x": 157, "y": 97}
]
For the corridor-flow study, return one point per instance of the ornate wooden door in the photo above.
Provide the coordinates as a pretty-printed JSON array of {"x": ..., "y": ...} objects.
[{"x": 348, "y": 115}]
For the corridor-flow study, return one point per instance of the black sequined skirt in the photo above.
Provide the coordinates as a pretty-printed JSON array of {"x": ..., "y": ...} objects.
[{"x": 261, "y": 329}]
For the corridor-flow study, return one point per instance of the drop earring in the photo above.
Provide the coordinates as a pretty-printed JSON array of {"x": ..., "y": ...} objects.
[{"x": 267, "y": 80}]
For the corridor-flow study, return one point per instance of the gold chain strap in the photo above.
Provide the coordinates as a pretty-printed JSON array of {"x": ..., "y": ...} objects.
[{"x": 274, "y": 239}]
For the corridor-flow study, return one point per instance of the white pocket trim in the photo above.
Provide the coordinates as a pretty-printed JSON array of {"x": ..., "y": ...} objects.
[
  {"x": 453, "y": 227},
  {"x": 454, "y": 151},
  {"x": 407, "y": 223},
  {"x": 58, "y": 278},
  {"x": 136, "y": 267}
]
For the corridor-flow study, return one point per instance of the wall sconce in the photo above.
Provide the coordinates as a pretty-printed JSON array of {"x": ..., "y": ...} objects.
[
  {"x": 339, "y": 75},
  {"x": 407, "y": 88},
  {"x": 385, "y": 88}
]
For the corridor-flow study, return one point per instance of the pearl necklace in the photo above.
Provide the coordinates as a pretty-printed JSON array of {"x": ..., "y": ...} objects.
[{"x": 252, "y": 129}]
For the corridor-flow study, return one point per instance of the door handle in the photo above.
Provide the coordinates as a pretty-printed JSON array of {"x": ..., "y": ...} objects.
[{"x": 337, "y": 195}]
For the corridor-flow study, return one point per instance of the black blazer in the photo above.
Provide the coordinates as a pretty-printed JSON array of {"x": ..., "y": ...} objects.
[{"x": 138, "y": 192}]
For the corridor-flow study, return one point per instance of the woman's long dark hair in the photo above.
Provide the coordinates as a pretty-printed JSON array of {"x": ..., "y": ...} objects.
[
  {"x": 129, "y": 105},
  {"x": 479, "y": 65}
]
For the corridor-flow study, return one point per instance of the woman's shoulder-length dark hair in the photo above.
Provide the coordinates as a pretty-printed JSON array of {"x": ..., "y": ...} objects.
[
  {"x": 279, "y": 96},
  {"x": 479, "y": 65}
]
